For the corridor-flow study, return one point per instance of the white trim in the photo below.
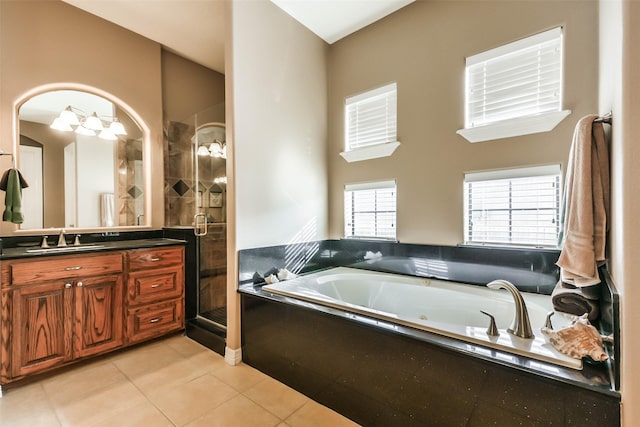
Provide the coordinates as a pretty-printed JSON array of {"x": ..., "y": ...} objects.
[
  {"x": 232, "y": 356},
  {"x": 371, "y": 152},
  {"x": 382, "y": 90},
  {"x": 543, "y": 122},
  {"x": 370, "y": 185},
  {"x": 515, "y": 46},
  {"x": 520, "y": 172}
]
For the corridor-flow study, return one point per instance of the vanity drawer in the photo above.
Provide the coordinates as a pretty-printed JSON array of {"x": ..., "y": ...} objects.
[
  {"x": 150, "y": 286},
  {"x": 141, "y": 259},
  {"x": 154, "y": 320},
  {"x": 65, "y": 267}
]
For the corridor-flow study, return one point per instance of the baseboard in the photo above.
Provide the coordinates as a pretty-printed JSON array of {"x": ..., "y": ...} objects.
[{"x": 232, "y": 356}]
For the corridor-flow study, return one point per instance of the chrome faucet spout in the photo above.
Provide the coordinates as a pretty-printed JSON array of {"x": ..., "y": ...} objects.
[
  {"x": 61, "y": 238},
  {"x": 520, "y": 327}
]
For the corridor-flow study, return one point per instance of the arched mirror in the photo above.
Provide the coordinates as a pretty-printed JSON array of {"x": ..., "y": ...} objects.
[{"x": 82, "y": 156}]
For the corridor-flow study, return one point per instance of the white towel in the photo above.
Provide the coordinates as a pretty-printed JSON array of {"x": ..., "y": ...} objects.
[
  {"x": 107, "y": 209},
  {"x": 586, "y": 205}
]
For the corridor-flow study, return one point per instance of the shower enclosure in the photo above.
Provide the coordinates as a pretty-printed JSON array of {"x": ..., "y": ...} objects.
[{"x": 195, "y": 209}]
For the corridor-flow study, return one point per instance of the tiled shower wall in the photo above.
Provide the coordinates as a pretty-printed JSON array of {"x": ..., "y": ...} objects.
[
  {"x": 182, "y": 198},
  {"x": 130, "y": 182},
  {"x": 179, "y": 174}
]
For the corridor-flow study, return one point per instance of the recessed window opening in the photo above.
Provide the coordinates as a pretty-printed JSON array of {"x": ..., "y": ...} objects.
[
  {"x": 522, "y": 78},
  {"x": 519, "y": 207},
  {"x": 370, "y": 210},
  {"x": 371, "y": 118}
]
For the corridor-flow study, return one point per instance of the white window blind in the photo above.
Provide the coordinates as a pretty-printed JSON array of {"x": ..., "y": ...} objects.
[
  {"x": 370, "y": 210},
  {"x": 519, "y": 79},
  {"x": 513, "y": 207},
  {"x": 370, "y": 118}
]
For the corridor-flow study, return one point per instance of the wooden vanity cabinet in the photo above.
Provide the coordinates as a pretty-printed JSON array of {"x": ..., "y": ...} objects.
[
  {"x": 59, "y": 309},
  {"x": 155, "y": 290}
]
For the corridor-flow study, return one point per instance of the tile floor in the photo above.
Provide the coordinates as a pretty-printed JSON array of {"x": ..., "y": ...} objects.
[{"x": 172, "y": 382}]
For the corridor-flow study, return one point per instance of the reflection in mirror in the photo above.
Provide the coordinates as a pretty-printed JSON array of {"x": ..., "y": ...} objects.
[
  {"x": 210, "y": 147},
  {"x": 82, "y": 156}
]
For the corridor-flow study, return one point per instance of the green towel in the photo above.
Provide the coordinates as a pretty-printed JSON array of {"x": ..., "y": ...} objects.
[{"x": 13, "y": 199}]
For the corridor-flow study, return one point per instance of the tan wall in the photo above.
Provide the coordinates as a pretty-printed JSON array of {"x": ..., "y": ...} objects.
[
  {"x": 279, "y": 72},
  {"x": 276, "y": 125},
  {"x": 619, "y": 92},
  {"x": 50, "y": 42},
  {"x": 189, "y": 88},
  {"x": 422, "y": 47}
]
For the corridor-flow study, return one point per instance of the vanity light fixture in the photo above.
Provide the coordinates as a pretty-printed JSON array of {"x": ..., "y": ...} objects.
[
  {"x": 81, "y": 130},
  {"x": 117, "y": 127},
  {"x": 88, "y": 124},
  {"x": 93, "y": 122},
  {"x": 218, "y": 149},
  {"x": 59, "y": 124},
  {"x": 68, "y": 116},
  {"x": 107, "y": 134},
  {"x": 203, "y": 151}
]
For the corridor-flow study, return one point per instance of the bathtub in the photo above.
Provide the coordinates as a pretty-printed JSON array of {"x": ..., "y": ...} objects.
[{"x": 445, "y": 308}]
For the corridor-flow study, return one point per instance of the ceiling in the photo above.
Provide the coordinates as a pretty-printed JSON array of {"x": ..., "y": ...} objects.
[{"x": 195, "y": 30}]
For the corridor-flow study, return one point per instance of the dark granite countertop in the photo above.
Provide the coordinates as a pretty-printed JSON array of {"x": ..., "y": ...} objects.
[
  {"x": 591, "y": 377},
  {"x": 34, "y": 251}
]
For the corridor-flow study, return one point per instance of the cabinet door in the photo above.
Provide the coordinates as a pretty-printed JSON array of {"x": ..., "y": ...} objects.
[
  {"x": 42, "y": 323},
  {"x": 98, "y": 315}
]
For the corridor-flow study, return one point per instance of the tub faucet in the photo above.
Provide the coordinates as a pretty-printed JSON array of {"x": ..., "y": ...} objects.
[{"x": 520, "y": 327}]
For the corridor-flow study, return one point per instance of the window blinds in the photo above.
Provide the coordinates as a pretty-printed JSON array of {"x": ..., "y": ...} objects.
[
  {"x": 513, "y": 207},
  {"x": 370, "y": 210},
  {"x": 370, "y": 118},
  {"x": 515, "y": 80}
]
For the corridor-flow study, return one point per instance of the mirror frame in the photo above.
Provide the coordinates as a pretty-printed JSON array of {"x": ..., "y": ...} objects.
[{"x": 146, "y": 151}]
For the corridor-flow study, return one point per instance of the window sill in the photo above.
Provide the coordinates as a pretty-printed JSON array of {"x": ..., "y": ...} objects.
[
  {"x": 372, "y": 152},
  {"x": 514, "y": 127}
]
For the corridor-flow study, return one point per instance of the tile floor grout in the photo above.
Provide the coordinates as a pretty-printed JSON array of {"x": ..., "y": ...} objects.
[{"x": 173, "y": 382}]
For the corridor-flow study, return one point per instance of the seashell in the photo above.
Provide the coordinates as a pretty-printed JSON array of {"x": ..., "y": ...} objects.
[
  {"x": 577, "y": 340},
  {"x": 285, "y": 274},
  {"x": 270, "y": 279}
]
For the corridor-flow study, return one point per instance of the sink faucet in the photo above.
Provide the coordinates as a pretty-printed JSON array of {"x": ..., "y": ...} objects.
[
  {"x": 520, "y": 326},
  {"x": 61, "y": 239}
]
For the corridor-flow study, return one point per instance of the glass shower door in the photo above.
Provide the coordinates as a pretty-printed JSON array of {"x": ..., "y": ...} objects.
[
  {"x": 195, "y": 199},
  {"x": 209, "y": 151}
]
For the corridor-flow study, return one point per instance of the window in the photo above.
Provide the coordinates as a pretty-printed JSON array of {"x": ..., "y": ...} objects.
[
  {"x": 370, "y": 124},
  {"x": 513, "y": 207},
  {"x": 518, "y": 85},
  {"x": 370, "y": 210}
]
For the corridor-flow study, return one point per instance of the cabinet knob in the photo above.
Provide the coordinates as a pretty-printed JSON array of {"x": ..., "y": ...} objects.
[
  {"x": 73, "y": 268},
  {"x": 67, "y": 285},
  {"x": 155, "y": 258},
  {"x": 156, "y": 285},
  {"x": 156, "y": 320},
  {"x": 80, "y": 284}
]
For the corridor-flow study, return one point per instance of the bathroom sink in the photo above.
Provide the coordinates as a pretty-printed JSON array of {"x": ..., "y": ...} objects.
[{"x": 64, "y": 249}]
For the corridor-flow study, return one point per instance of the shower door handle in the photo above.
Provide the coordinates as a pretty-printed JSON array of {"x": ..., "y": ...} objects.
[{"x": 200, "y": 224}]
